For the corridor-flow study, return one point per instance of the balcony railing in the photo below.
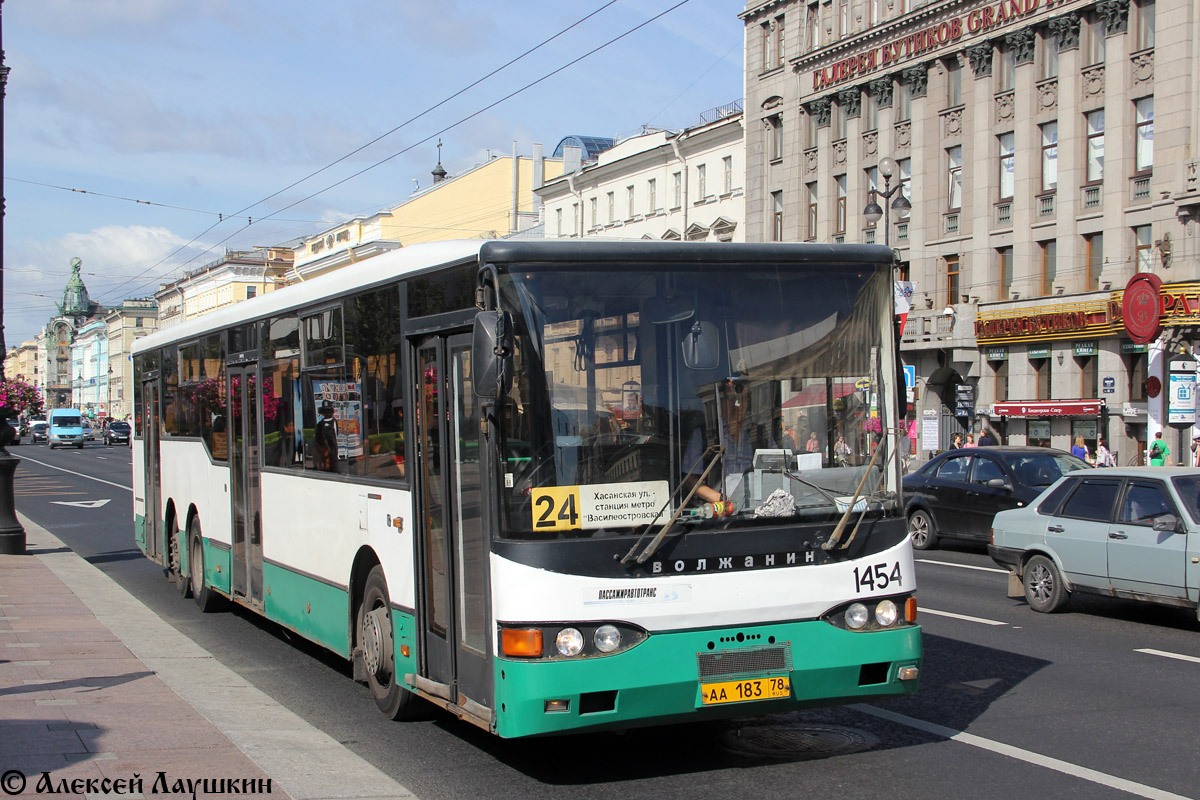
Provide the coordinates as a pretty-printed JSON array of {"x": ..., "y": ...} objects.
[
  {"x": 1090, "y": 197},
  {"x": 902, "y": 232},
  {"x": 1004, "y": 214},
  {"x": 1046, "y": 205},
  {"x": 952, "y": 222},
  {"x": 1139, "y": 188}
]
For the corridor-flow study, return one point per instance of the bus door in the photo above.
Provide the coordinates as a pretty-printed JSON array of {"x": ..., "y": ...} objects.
[
  {"x": 245, "y": 492},
  {"x": 151, "y": 472},
  {"x": 455, "y": 615}
]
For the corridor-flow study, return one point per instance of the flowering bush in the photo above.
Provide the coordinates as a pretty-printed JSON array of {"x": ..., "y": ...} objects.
[
  {"x": 873, "y": 425},
  {"x": 18, "y": 397}
]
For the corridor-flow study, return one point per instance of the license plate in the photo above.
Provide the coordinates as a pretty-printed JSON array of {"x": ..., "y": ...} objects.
[{"x": 742, "y": 691}]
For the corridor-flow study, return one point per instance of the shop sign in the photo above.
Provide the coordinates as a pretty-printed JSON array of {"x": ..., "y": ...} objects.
[
  {"x": 1086, "y": 348},
  {"x": 1110, "y": 385},
  {"x": 1048, "y": 408},
  {"x": 918, "y": 43},
  {"x": 1039, "y": 351},
  {"x": 1141, "y": 309},
  {"x": 997, "y": 354},
  {"x": 1181, "y": 404},
  {"x": 1132, "y": 347}
]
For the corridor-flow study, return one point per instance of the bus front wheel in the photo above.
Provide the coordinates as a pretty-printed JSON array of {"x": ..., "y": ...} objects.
[{"x": 374, "y": 631}]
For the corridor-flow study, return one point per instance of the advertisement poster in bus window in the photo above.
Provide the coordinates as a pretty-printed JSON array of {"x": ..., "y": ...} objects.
[{"x": 346, "y": 399}]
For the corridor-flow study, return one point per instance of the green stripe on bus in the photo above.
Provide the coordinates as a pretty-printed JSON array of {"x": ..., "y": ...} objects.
[
  {"x": 310, "y": 607},
  {"x": 658, "y": 681}
]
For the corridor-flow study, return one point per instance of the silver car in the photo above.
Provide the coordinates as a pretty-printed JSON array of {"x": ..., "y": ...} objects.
[{"x": 1132, "y": 533}]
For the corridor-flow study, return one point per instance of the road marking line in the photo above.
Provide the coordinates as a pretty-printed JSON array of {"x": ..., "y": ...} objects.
[
  {"x": 1028, "y": 756},
  {"x": 1166, "y": 654},
  {"x": 79, "y": 474},
  {"x": 980, "y": 620},
  {"x": 961, "y": 566}
]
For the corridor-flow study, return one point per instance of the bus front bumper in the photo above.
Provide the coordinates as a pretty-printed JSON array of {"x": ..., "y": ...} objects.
[{"x": 660, "y": 680}]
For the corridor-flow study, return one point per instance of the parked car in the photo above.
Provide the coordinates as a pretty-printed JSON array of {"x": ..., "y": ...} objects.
[
  {"x": 39, "y": 431},
  {"x": 117, "y": 432},
  {"x": 957, "y": 493},
  {"x": 89, "y": 433},
  {"x": 1128, "y": 533}
]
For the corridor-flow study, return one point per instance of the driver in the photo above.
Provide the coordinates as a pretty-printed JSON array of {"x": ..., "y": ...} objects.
[{"x": 734, "y": 435}]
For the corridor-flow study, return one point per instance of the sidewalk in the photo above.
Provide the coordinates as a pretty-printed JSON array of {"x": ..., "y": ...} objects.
[{"x": 100, "y": 697}]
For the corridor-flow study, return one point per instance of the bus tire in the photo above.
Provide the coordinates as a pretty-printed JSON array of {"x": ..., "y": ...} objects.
[
  {"x": 922, "y": 530},
  {"x": 178, "y": 541},
  {"x": 206, "y": 599},
  {"x": 373, "y": 631}
]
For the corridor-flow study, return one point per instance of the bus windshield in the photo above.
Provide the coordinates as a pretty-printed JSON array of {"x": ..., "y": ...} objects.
[{"x": 761, "y": 391}]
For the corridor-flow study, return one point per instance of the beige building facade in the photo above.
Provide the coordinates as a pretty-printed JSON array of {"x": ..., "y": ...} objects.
[
  {"x": 126, "y": 323},
  {"x": 1049, "y": 152},
  {"x": 686, "y": 185},
  {"x": 490, "y": 200},
  {"x": 238, "y": 276}
]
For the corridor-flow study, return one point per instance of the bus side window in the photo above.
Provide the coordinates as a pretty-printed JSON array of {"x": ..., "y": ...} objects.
[{"x": 372, "y": 324}]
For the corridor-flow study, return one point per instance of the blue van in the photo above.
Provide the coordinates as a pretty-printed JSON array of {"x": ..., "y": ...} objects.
[{"x": 66, "y": 427}]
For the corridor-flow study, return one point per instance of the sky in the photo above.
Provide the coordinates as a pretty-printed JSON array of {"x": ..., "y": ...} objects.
[{"x": 147, "y": 137}]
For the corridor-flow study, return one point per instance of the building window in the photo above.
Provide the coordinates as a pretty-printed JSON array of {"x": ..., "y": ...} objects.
[
  {"x": 1049, "y": 156},
  {"x": 870, "y": 112},
  {"x": 558, "y": 222},
  {"x": 251, "y": 291},
  {"x": 701, "y": 181},
  {"x": 768, "y": 59},
  {"x": 952, "y": 287},
  {"x": 1049, "y": 265},
  {"x": 839, "y": 213},
  {"x": 1135, "y": 368},
  {"x": 1144, "y": 136},
  {"x": 1004, "y": 266},
  {"x": 1093, "y": 52},
  {"x": 1008, "y": 160},
  {"x": 611, "y": 199},
  {"x": 1000, "y": 380},
  {"x": 629, "y": 197},
  {"x": 1095, "y": 146},
  {"x": 903, "y": 102},
  {"x": 1142, "y": 25},
  {"x": 575, "y": 218},
  {"x": 813, "y": 27},
  {"x": 1048, "y": 57},
  {"x": 1089, "y": 383},
  {"x": 1094, "y": 252},
  {"x": 1005, "y": 69},
  {"x": 775, "y": 131},
  {"x": 811, "y": 190},
  {"x": 779, "y": 41},
  {"x": 1141, "y": 247},
  {"x": 1042, "y": 378},
  {"x": 652, "y": 194},
  {"x": 872, "y": 175},
  {"x": 677, "y": 189},
  {"x": 905, "y": 165},
  {"x": 843, "y": 18},
  {"x": 777, "y": 216},
  {"x": 595, "y": 213},
  {"x": 954, "y": 177},
  {"x": 953, "y": 83},
  {"x": 727, "y": 170}
]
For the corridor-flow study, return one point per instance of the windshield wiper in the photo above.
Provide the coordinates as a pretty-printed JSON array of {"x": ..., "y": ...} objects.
[
  {"x": 719, "y": 451},
  {"x": 836, "y": 536},
  {"x": 826, "y": 493}
]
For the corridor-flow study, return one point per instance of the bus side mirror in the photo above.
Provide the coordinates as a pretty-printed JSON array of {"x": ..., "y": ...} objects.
[
  {"x": 491, "y": 354},
  {"x": 701, "y": 346}
]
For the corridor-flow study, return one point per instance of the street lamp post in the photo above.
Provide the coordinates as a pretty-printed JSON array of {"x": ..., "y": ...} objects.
[{"x": 873, "y": 213}]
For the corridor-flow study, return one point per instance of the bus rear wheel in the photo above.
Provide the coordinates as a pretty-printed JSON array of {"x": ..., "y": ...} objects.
[
  {"x": 175, "y": 544},
  {"x": 206, "y": 599},
  {"x": 374, "y": 632}
]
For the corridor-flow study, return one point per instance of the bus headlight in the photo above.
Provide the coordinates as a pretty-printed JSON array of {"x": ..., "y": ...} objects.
[
  {"x": 857, "y": 615},
  {"x": 886, "y": 613},
  {"x": 607, "y": 638},
  {"x": 569, "y": 642}
]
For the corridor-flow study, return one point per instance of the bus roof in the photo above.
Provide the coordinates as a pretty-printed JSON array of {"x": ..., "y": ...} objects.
[{"x": 433, "y": 255}]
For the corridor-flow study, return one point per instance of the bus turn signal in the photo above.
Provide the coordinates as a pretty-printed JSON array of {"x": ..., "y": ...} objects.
[{"x": 521, "y": 642}]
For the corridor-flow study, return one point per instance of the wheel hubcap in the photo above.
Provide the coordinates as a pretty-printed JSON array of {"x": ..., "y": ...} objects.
[
  {"x": 919, "y": 529},
  {"x": 1040, "y": 584},
  {"x": 375, "y": 641}
]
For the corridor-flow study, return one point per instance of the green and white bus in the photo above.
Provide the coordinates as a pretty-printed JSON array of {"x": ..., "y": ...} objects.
[{"x": 551, "y": 485}]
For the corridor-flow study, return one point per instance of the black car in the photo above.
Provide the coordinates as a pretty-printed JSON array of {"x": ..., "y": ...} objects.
[
  {"x": 39, "y": 432},
  {"x": 957, "y": 493},
  {"x": 117, "y": 433}
]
